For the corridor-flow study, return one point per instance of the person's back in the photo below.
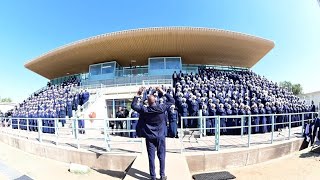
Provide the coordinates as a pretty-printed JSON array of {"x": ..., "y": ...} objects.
[{"x": 152, "y": 126}]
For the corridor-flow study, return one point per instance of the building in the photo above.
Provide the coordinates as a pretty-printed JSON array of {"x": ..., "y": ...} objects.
[
  {"x": 312, "y": 96},
  {"x": 144, "y": 56}
]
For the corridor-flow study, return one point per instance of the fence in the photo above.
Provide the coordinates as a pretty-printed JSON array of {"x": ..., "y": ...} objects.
[
  {"x": 101, "y": 136},
  {"x": 247, "y": 123},
  {"x": 142, "y": 83}
]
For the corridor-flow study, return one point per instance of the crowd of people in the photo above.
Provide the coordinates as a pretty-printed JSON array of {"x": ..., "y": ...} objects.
[
  {"x": 223, "y": 93},
  {"x": 55, "y": 101},
  {"x": 209, "y": 92},
  {"x": 226, "y": 93}
]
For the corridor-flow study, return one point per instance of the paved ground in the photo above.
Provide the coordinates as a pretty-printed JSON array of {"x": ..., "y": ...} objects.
[
  {"x": 176, "y": 167},
  {"x": 38, "y": 167},
  {"x": 303, "y": 165},
  {"x": 41, "y": 168}
]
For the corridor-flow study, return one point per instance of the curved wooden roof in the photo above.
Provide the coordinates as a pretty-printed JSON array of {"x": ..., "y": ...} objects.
[{"x": 194, "y": 45}]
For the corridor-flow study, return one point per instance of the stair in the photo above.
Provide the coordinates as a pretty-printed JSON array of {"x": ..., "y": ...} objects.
[{"x": 67, "y": 129}]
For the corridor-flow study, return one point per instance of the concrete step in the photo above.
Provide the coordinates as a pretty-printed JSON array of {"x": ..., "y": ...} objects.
[{"x": 176, "y": 167}]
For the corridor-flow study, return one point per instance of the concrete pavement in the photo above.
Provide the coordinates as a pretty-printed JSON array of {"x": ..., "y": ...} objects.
[{"x": 176, "y": 167}]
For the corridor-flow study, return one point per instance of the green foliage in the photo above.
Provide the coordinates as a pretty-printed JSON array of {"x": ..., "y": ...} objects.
[
  {"x": 5, "y": 100},
  {"x": 295, "y": 88}
]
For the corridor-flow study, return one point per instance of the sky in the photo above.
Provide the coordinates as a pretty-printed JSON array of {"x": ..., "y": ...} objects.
[{"x": 31, "y": 28}]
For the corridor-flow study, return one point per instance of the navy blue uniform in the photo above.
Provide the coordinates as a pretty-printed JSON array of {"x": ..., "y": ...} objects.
[
  {"x": 69, "y": 107},
  {"x": 263, "y": 121},
  {"x": 229, "y": 122},
  {"x": 236, "y": 121},
  {"x": 316, "y": 128},
  {"x": 255, "y": 120},
  {"x": 173, "y": 121},
  {"x": 279, "y": 118},
  {"x": 212, "y": 112},
  {"x": 223, "y": 122},
  {"x": 269, "y": 117},
  {"x": 205, "y": 112},
  {"x": 193, "y": 112},
  {"x": 242, "y": 112},
  {"x": 134, "y": 123},
  {"x": 184, "y": 113},
  {"x": 63, "y": 114}
]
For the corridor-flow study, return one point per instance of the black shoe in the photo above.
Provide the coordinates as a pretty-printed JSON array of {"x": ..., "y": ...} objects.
[{"x": 163, "y": 178}]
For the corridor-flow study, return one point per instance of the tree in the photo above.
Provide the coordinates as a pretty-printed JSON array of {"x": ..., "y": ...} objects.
[
  {"x": 286, "y": 84},
  {"x": 6, "y": 100},
  {"x": 295, "y": 88}
]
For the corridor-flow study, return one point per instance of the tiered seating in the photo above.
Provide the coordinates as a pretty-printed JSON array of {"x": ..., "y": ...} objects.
[
  {"x": 221, "y": 93},
  {"x": 55, "y": 101}
]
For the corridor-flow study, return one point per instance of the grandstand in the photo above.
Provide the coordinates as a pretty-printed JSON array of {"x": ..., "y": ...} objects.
[
  {"x": 213, "y": 65},
  {"x": 209, "y": 70},
  {"x": 87, "y": 101}
]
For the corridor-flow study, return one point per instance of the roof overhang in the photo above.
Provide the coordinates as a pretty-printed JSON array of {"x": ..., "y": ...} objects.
[{"x": 193, "y": 45}]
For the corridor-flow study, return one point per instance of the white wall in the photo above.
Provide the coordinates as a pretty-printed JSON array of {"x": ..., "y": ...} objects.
[{"x": 4, "y": 107}]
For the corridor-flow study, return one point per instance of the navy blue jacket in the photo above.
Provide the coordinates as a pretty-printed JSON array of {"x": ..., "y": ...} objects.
[{"x": 152, "y": 120}]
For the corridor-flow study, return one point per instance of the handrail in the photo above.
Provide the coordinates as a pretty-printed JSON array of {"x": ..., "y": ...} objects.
[
  {"x": 15, "y": 126},
  {"x": 143, "y": 82}
]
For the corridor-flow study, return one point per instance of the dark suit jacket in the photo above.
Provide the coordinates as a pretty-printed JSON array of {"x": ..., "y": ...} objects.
[{"x": 152, "y": 120}]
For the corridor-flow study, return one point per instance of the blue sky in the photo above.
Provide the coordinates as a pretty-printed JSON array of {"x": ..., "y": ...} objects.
[{"x": 30, "y": 28}]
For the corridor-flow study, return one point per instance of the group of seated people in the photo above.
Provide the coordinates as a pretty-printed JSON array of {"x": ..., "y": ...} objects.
[
  {"x": 223, "y": 93},
  {"x": 207, "y": 93},
  {"x": 55, "y": 101},
  {"x": 227, "y": 93}
]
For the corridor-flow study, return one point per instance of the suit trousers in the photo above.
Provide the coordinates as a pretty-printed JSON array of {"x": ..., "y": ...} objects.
[{"x": 159, "y": 145}]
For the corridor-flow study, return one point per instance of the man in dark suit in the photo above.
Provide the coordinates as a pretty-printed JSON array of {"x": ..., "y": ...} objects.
[{"x": 153, "y": 128}]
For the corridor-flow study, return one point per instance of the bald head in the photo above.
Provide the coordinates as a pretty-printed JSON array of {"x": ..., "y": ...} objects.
[{"x": 151, "y": 100}]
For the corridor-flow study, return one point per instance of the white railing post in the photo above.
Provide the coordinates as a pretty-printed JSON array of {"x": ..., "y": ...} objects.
[
  {"x": 18, "y": 122},
  {"x": 11, "y": 124},
  {"x": 39, "y": 130},
  {"x": 106, "y": 130},
  {"x": 204, "y": 126},
  {"x": 77, "y": 133},
  {"x": 200, "y": 123},
  {"x": 272, "y": 128},
  {"x": 289, "y": 133},
  {"x": 302, "y": 124},
  {"x": 27, "y": 127},
  {"x": 128, "y": 124},
  {"x": 249, "y": 130},
  {"x": 241, "y": 126},
  {"x": 56, "y": 130},
  {"x": 181, "y": 135},
  {"x": 217, "y": 134}
]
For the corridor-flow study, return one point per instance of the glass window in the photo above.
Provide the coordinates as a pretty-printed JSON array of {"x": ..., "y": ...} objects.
[
  {"x": 108, "y": 68},
  {"x": 95, "y": 69},
  {"x": 173, "y": 63},
  {"x": 156, "y": 63}
]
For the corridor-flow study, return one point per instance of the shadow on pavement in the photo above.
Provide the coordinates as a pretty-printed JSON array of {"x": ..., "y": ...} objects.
[
  {"x": 137, "y": 174},
  {"x": 117, "y": 174},
  {"x": 313, "y": 153}
]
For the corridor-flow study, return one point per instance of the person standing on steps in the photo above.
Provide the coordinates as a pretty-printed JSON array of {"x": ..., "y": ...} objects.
[{"x": 152, "y": 126}]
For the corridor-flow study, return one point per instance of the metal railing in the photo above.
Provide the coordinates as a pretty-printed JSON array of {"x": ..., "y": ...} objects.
[
  {"x": 49, "y": 130},
  {"x": 247, "y": 124},
  {"x": 91, "y": 100},
  {"x": 123, "y": 80},
  {"x": 142, "y": 83}
]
